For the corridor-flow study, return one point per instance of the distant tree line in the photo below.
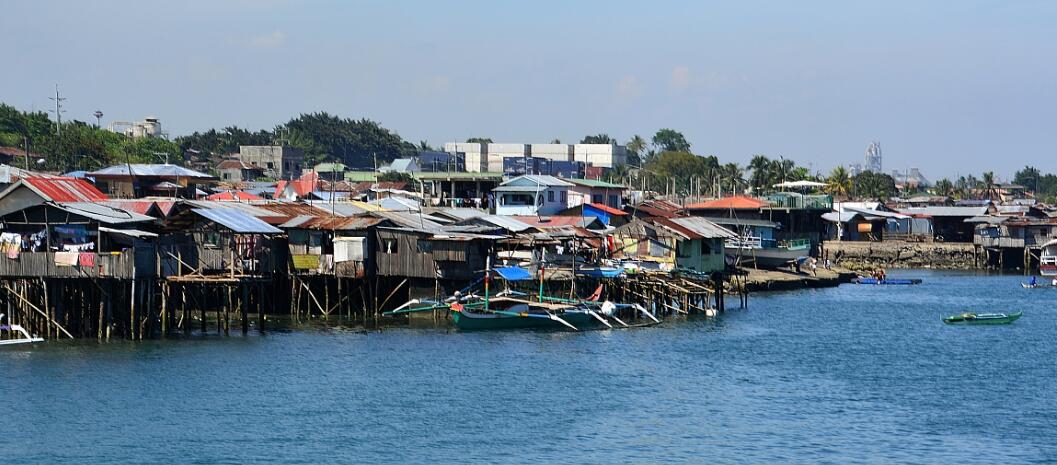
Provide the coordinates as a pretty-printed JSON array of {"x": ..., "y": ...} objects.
[{"x": 81, "y": 146}]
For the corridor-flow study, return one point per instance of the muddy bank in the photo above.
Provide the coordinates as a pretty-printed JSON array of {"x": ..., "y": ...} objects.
[{"x": 894, "y": 254}]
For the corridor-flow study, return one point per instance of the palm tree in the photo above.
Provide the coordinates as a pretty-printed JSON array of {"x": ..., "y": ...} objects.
[
  {"x": 944, "y": 187},
  {"x": 734, "y": 175},
  {"x": 760, "y": 166},
  {"x": 989, "y": 186},
  {"x": 838, "y": 184},
  {"x": 636, "y": 147}
]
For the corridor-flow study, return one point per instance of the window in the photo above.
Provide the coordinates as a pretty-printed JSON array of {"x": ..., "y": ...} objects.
[
  {"x": 682, "y": 249},
  {"x": 596, "y": 198},
  {"x": 564, "y": 197},
  {"x": 614, "y": 201},
  {"x": 388, "y": 245},
  {"x": 425, "y": 246},
  {"x": 271, "y": 166},
  {"x": 550, "y": 196},
  {"x": 227, "y": 176}
]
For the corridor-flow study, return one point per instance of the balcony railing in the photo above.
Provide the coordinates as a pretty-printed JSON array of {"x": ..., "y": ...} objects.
[{"x": 800, "y": 202}]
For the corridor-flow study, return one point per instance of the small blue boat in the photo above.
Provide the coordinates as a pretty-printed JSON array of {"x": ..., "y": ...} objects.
[
  {"x": 890, "y": 282},
  {"x": 600, "y": 272}
]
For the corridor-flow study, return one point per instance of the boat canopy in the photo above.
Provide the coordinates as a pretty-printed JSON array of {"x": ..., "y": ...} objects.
[{"x": 513, "y": 273}]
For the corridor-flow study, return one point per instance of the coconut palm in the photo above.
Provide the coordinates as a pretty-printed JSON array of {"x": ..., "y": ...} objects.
[
  {"x": 990, "y": 188},
  {"x": 944, "y": 187},
  {"x": 838, "y": 184},
  {"x": 760, "y": 176}
]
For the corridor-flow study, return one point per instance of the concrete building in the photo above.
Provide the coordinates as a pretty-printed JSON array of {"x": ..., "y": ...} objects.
[
  {"x": 149, "y": 127},
  {"x": 238, "y": 171},
  {"x": 474, "y": 154},
  {"x": 498, "y": 152},
  {"x": 603, "y": 155},
  {"x": 556, "y": 152},
  {"x": 491, "y": 157},
  {"x": 278, "y": 162}
]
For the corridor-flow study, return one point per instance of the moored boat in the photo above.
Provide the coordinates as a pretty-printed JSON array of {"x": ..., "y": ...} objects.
[
  {"x": 982, "y": 318},
  {"x": 890, "y": 282},
  {"x": 1048, "y": 259},
  {"x": 21, "y": 336}
]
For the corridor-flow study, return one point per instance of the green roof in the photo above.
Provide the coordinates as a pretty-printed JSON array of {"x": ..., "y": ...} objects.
[
  {"x": 594, "y": 183},
  {"x": 329, "y": 167},
  {"x": 361, "y": 176},
  {"x": 438, "y": 176}
]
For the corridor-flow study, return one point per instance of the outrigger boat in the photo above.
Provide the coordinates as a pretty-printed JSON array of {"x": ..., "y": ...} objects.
[
  {"x": 982, "y": 318},
  {"x": 19, "y": 330},
  {"x": 510, "y": 309},
  {"x": 890, "y": 282}
]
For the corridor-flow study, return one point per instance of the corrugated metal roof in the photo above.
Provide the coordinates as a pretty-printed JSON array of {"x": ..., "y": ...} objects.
[
  {"x": 153, "y": 170},
  {"x": 65, "y": 189},
  {"x": 237, "y": 221},
  {"x": 533, "y": 189},
  {"x": 505, "y": 222},
  {"x": 548, "y": 222},
  {"x": 540, "y": 179},
  {"x": 742, "y": 222},
  {"x": 341, "y": 223},
  {"x": 594, "y": 183},
  {"x": 341, "y": 208},
  {"x": 702, "y": 227},
  {"x": 945, "y": 211},
  {"x": 607, "y": 209},
  {"x": 128, "y": 232},
  {"x": 738, "y": 202},
  {"x": 411, "y": 220},
  {"x": 102, "y": 213}
]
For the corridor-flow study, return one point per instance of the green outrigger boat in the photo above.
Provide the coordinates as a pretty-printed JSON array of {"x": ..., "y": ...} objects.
[{"x": 982, "y": 318}]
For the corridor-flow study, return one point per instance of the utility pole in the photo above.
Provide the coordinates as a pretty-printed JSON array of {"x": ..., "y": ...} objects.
[{"x": 58, "y": 120}]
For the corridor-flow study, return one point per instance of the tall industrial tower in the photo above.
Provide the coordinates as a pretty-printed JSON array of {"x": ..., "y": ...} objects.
[{"x": 873, "y": 158}]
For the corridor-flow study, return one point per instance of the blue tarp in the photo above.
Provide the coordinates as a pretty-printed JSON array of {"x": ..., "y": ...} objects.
[{"x": 513, "y": 273}]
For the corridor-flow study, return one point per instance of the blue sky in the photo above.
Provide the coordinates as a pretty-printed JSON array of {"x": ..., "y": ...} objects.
[{"x": 949, "y": 87}]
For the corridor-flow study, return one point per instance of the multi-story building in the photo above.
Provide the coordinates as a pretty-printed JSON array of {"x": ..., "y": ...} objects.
[
  {"x": 491, "y": 157},
  {"x": 278, "y": 162}
]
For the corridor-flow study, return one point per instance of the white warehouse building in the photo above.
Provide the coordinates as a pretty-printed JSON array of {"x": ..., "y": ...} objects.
[{"x": 489, "y": 157}]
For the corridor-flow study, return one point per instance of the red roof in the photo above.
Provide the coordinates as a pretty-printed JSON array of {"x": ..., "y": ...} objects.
[
  {"x": 234, "y": 195},
  {"x": 607, "y": 209},
  {"x": 730, "y": 203},
  {"x": 65, "y": 189}
]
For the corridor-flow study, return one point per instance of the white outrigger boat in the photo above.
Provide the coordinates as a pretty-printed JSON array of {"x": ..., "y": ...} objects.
[
  {"x": 1048, "y": 259},
  {"x": 19, "y": 330}
]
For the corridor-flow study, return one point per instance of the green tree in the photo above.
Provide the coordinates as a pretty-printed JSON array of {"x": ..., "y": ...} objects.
[
  {"x": 873, "y": 185},
  {"x": 944, "y": 187},
  {"x": 636, "y": 149},
  {"x": 760, "y": 173},
  {"x": 479, "y": 140},
  {"x": 989, "y": 187},
  {"x": 670, "y": 140},
  {"x": 600, "y": 138},
  {"x": 838, "y": 183}
]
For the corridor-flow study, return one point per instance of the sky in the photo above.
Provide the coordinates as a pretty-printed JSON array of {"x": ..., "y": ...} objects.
[{"x": 951, "y": 88}]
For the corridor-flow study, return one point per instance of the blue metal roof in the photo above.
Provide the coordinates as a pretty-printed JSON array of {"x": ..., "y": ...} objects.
[
  {"x": 513, "y": 273},
  {"x": 237, "y": 221}
]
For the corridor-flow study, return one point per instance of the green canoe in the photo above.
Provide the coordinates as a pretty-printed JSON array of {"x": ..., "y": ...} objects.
[{"x": 982, "y": 318}]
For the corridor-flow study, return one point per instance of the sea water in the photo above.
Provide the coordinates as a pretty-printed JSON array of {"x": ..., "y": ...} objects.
[{"x": 855, "y": 374}]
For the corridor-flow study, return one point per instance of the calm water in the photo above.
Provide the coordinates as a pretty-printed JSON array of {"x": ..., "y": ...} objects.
[{"x": 848, "y": 375}]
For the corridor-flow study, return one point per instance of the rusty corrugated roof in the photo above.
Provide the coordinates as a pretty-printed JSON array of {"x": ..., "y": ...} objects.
[{"x": 65, "y": 189}]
